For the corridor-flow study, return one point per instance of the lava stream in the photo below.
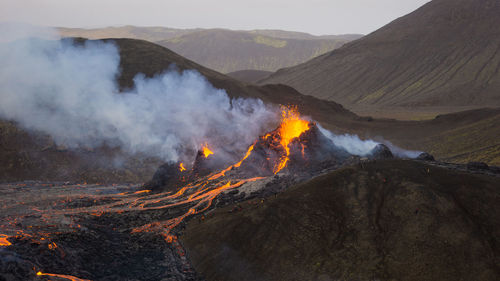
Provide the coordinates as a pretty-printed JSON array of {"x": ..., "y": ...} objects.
[
  {"x": 69, "y": 277},
  {"x": 3, "y": 240}
]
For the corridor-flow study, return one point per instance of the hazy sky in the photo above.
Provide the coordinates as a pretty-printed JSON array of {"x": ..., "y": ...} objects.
[{"x": 313, "y": 16}]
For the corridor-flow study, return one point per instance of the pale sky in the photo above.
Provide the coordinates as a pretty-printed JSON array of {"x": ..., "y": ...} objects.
[{"x": 312, "y": 16}]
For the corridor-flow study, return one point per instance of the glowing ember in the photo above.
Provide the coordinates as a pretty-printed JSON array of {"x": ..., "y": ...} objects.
[
  {"x": 52, "y": 246},
  {"x": 181, "y": 167},
  {"x": 69, "y": 277},
  {"x": 291, "y": 127},
  {"x": 206, "y": 151},
  {"x": 3, "y": 240}
]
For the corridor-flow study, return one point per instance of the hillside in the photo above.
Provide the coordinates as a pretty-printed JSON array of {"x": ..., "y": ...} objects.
[
  {"x": 249, "y": 76},
  {"x": 228, "y": 51},
  {"x": 34, "y": 156},
  {"x": 465, "y": 136},
  {"x": 152, "y": 33},
  {"x": 384, "y": 220},
  {"x": 443, "y": 54},
  {"x": 461, "y": 137},
  {"x": 302, "y": 35}
]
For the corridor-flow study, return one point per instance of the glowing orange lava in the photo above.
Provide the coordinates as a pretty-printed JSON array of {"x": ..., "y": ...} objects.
[
  {"x": 69, "y": 277},
  {"x": 291, "y": 127},
  {"x": 197, "y": 196},
  {"x": 3, "y": 240},
  {"x": 204, "y": 198},
  {"x": 206, "y": 151},
  {"x": 181, "y": 167},
  {"x": 223, "y": 172}
]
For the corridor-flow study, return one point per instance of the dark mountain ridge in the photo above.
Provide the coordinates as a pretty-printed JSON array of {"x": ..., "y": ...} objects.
[{"x": 446, "y": 53}]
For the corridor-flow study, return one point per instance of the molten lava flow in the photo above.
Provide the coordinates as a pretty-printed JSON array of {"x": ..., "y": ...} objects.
[
  {"x": 206, "y": 151},
  {"x": 249, "y": 151},
  {"x": 223, "y": 172},
  {"x": 3, "y": 240},
  {"x": 181, "y": 167},
  {"x": 196, "y": 197},
  {"x": 69, "y": 277},
  {"x": 204, "y": 198},
  {"x": 291, "y": 127}
]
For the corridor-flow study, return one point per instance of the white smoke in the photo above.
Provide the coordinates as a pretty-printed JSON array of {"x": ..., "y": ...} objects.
[
  {"x": 356, "y": 146},
  {"x": 400, "y": 152},
  {"x": 70, "y": 93}
]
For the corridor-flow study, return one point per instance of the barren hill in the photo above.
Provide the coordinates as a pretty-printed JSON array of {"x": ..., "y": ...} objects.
[
  {"x": 151, "y": 33},
  {"x": 228, "y": 51},
  {"x": 446, "y": 53},
  {"x": 249, "y": 75},
  {"x": 384, "y": 220}
]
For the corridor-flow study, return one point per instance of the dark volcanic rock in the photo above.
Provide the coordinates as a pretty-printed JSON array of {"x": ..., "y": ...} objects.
[
  {"x": 477, "y": 166},
  {"x": 424, "y": 156},
  {"x": 381, "y": 151},
  {"x": 167, "y": 176},
  {"x": 310, "y": 152},
  {"x": 385, "y": 220}
]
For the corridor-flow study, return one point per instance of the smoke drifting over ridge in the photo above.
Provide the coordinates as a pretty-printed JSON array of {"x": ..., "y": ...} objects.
[{"x": 70, "y": 93}]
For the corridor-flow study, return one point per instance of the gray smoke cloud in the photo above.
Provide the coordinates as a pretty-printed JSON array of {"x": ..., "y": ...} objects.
[{"x": 70, "y": 93}]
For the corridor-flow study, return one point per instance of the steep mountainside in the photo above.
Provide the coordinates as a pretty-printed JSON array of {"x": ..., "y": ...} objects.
[
  {"x": 228, "y": 51},
  {"x": 445, "y": 53}
]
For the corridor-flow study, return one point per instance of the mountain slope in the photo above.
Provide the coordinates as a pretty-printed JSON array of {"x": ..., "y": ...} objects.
[
  {"x": 383, "y": 220},
  {"x": 152, "y": 33},
  {"x": 249, "y": 76},
  {"x": 445, "y": 53},
  {"x": 228, "y": 51},
  {"x": 35, "y": 156},
  {"x": 31, "y": 155}
]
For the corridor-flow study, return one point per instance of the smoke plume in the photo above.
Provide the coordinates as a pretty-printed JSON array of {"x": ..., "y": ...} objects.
[
  {"x": 356, "y": 146},
  {"x": 70, "y": 93}
]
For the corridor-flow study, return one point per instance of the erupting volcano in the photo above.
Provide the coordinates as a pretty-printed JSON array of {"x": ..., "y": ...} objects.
[
  {"x": 295, "y": 151},
  {"x": 291, "y": 127}
]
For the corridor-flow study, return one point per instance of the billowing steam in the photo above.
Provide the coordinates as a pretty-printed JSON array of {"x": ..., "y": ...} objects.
[
  {"x": 351, "y": 143},
  {"x": 356, "y": 146},
  {"x": 70, "y": 92}
]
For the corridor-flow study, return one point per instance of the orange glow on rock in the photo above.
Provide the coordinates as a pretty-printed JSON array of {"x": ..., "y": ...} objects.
[
  {"x": 206, "y": 151},
  {"x": 3, "y": 240},
  {"x": 181, "y": 167},
  {"x": 291, "y": 127},
  {"x": 223, "y": 172},
  {"x": 69, "y": 277}
]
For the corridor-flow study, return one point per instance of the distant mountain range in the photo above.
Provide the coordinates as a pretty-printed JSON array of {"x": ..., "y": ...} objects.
[
  {"x": 227, "y": 50},
  {"x": 150, "y": 33},
  {"x": 446, "y": 53}
]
